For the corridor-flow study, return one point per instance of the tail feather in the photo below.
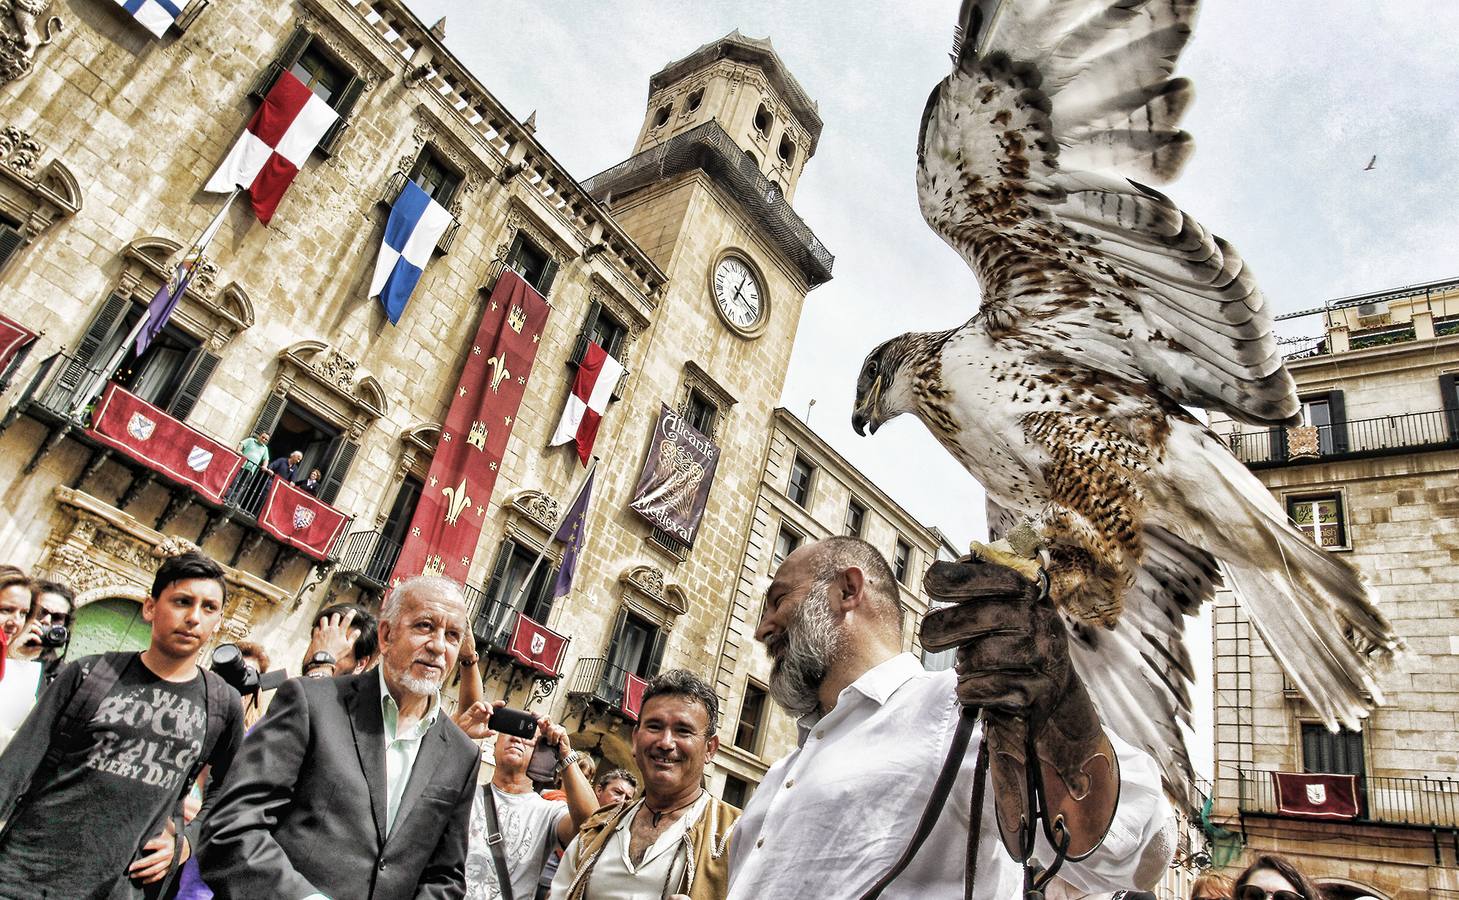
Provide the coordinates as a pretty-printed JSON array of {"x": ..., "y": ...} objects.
[{"x": 1315, "y": 612}]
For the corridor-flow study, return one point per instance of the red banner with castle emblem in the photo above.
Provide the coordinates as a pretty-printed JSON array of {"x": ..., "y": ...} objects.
[
  {"x": 300, "y": 519},
  {"x": 124, "y": 421},
  {"x": 452, "y": 508}
]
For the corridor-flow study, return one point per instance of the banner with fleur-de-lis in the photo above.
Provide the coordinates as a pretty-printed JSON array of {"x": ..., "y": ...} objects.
[{"x": 452, "y": 508}]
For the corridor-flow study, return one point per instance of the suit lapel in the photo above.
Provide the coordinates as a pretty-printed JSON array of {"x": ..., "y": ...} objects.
[
  {"x": 432, "y": 752},
  {"x": 369, "y": 732}
]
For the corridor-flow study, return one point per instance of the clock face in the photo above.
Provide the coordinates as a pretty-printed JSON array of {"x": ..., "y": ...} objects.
[{"x": 738, "y": 293}]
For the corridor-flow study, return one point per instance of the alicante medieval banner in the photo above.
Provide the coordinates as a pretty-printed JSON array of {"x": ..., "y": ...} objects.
[
  {"x": 126, "y": 422},
  {"x": 677, "y": 473},
  {"x": 452, "y": 507}
]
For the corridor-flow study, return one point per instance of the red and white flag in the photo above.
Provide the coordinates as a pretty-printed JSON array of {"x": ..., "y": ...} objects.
[
  {"x": 279, "y": 138},
  {"x": 597, "y": 376}
]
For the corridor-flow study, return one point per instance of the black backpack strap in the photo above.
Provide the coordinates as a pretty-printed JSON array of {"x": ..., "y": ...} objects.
[
  {"x": 217, "y": 697},
  {"x": 98, "y": 676},
  {"x": 494, "y": 842}
]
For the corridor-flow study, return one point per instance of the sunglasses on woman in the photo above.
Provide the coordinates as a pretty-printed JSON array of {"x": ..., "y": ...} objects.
[{"x": 1252, "y": 892}]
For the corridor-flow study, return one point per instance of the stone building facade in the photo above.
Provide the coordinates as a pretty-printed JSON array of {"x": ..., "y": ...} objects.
[
  {"x": 807, "y": 492},
  {"x": 1372, "y": 474},
  {"x": 107, "y": 138}
]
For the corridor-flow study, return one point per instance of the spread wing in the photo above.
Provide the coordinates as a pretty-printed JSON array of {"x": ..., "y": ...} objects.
[
  {"x": 1034, "y": 163},
  {"x": 1139, "y": 672}
]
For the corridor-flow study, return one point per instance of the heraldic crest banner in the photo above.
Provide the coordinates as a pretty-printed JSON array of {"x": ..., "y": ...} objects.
[
  {"x": 452, "y": 508},
  {"x": 676, "y": 477}
]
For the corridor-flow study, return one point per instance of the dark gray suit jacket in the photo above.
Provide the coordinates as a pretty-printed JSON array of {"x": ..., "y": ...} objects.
[{"x": 303, "y": 809}]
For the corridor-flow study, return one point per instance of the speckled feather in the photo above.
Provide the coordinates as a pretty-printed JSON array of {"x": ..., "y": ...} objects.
[{"x": 1106, "y": 310}]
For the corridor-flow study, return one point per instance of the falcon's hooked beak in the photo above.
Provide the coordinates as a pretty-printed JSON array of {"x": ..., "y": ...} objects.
[{"x": 864, "y": 416}]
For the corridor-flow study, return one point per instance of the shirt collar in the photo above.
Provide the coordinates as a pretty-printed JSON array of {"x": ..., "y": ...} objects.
[
  {"x": 390, "y": 711},
  {"x": 876, "y": 684}
]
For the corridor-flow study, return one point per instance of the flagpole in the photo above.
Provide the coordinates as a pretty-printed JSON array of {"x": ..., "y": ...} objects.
[
  {"x": 196, "y": 253},
  {"x": 541, "y": 554}
]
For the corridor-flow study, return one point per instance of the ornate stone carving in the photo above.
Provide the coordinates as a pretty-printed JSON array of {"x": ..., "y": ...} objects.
[
  {"x": 336, "y": 368},
  {"x": 537, "y": 506},
  {"x": 19, "y": 150},
  {"x": 325, "y": 33},
  {"x": 649, "y": 582},
  {"x": 22, "y": 34}
]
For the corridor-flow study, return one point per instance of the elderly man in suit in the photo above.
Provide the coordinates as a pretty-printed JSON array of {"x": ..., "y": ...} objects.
[{"x": 358, "y": 786}]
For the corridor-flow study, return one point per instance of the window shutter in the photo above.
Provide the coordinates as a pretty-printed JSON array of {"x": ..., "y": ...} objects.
[
  {"x": 656, "y": 654},
  {"x": 514, "y": 254},
  {"x": 293, "y": 48},
  {"x": 10, "y": 243},
  {"x": 1449, "y": 403},
  {"x": 1338, "y": 413},
  {"x": 549, "y": 272},
  {"x": 79, "y": 372},
  {"x": 340, "y": 459},
  {"x": 268, "y": 417},
  {"x": 540, "y": 604},
  {"x": 197, "y": 369},
  {"x": 348, "y": 97},
  {"x": 581, "y": 348}
]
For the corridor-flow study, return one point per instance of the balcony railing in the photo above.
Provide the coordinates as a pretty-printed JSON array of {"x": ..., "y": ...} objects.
[
  {"x": 1408, "y": 432},
  {"x": 595, "y": 678},
  {"x": 492, "y": 621},
  {"x": 395, "y": 185},
  {"x": 370, "y": 555},
  {"x": 62, "y": 395},
  {"x": 1423, "y": 802}
]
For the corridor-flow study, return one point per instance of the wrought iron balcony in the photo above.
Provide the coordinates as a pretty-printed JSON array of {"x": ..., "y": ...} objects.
[
  {"x": 1412, "y": 802},
  {"x": 370, "y": 555},
  {"x": 492, "y": 621},
  {"x": 1381, "y": 436},
  {"x": 396, "y": 184},
  {"x": 62, "y": 396},
  {"x": 595, "y": 678}
]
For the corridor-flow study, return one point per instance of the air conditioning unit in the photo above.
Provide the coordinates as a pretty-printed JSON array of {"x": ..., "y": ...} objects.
[{"x": 1372, "y": 313}]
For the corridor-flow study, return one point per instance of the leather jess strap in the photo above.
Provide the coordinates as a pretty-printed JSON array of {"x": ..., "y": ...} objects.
[{"x": 933, "y": 810}]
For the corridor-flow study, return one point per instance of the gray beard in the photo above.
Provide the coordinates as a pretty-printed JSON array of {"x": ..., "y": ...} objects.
[
  {"x": 812, "y": 643},
  {"x": 424, "y": 687}
]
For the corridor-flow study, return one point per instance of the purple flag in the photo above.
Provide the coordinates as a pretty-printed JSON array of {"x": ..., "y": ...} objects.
[
  {"x": 574, "y": 533},
  {"x": 165, "y": 301}
]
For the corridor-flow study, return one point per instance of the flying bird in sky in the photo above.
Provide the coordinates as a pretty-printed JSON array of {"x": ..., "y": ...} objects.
[
  {"x": 1106, "y": 311},
  {"x": 1372, "y": 164}
]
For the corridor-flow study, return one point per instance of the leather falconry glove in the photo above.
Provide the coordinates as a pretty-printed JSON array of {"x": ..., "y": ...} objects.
[{"x": 1013, "y": 661}]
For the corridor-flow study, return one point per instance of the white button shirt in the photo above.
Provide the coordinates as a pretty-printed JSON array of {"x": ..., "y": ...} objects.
[{"x": 833, "y": 816}]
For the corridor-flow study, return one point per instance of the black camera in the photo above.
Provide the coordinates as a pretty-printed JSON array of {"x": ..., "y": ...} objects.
[
  {"x": 229, "y": 665},
  {"x": 55, "y": 636}
]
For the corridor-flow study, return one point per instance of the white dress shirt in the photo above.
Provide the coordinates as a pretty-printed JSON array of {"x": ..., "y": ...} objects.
[
  {"x": 833, "y": 816},
  {"x": 615, "y": 877}
]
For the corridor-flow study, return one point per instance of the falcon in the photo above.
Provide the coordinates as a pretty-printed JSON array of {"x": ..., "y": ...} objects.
[{"x": 1107, "y": 311}]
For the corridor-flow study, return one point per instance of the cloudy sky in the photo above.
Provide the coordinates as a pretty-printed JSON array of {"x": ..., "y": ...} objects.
[{"x": 1293, "y": 98}]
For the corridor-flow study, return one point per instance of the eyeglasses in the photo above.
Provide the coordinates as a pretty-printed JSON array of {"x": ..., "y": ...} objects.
[{"x": 1252, "y": 892}]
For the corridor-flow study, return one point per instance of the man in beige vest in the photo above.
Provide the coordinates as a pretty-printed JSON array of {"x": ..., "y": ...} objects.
[{"x": 674, "y": 841}]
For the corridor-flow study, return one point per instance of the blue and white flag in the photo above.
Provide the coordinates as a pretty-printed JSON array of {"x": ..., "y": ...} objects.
[
  {"x": 155, "y": 15},
  {"x": 415, "y": 225}
]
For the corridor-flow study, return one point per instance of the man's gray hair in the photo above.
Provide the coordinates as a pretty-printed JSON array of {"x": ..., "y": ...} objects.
[
  {"x": 683, "y": 683},
  {"x": 835, "y": 555},
  {"x": 426, "y": 584}
]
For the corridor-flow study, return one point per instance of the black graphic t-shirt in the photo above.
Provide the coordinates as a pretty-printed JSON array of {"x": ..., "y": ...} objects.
[{"x": 81, "y": 825}]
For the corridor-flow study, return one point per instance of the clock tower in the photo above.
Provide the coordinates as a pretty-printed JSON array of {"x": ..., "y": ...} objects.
[{"x": 726, "y": 136}]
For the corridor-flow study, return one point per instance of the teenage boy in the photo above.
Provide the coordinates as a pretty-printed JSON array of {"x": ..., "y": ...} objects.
[{"x": 91, "y": 787}]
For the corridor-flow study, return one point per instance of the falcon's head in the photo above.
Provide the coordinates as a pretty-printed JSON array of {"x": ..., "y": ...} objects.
[{"x": 885, "y": 389}]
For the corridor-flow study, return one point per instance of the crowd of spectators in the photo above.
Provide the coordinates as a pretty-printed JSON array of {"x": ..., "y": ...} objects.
[{"x": 132, "y": 774}]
